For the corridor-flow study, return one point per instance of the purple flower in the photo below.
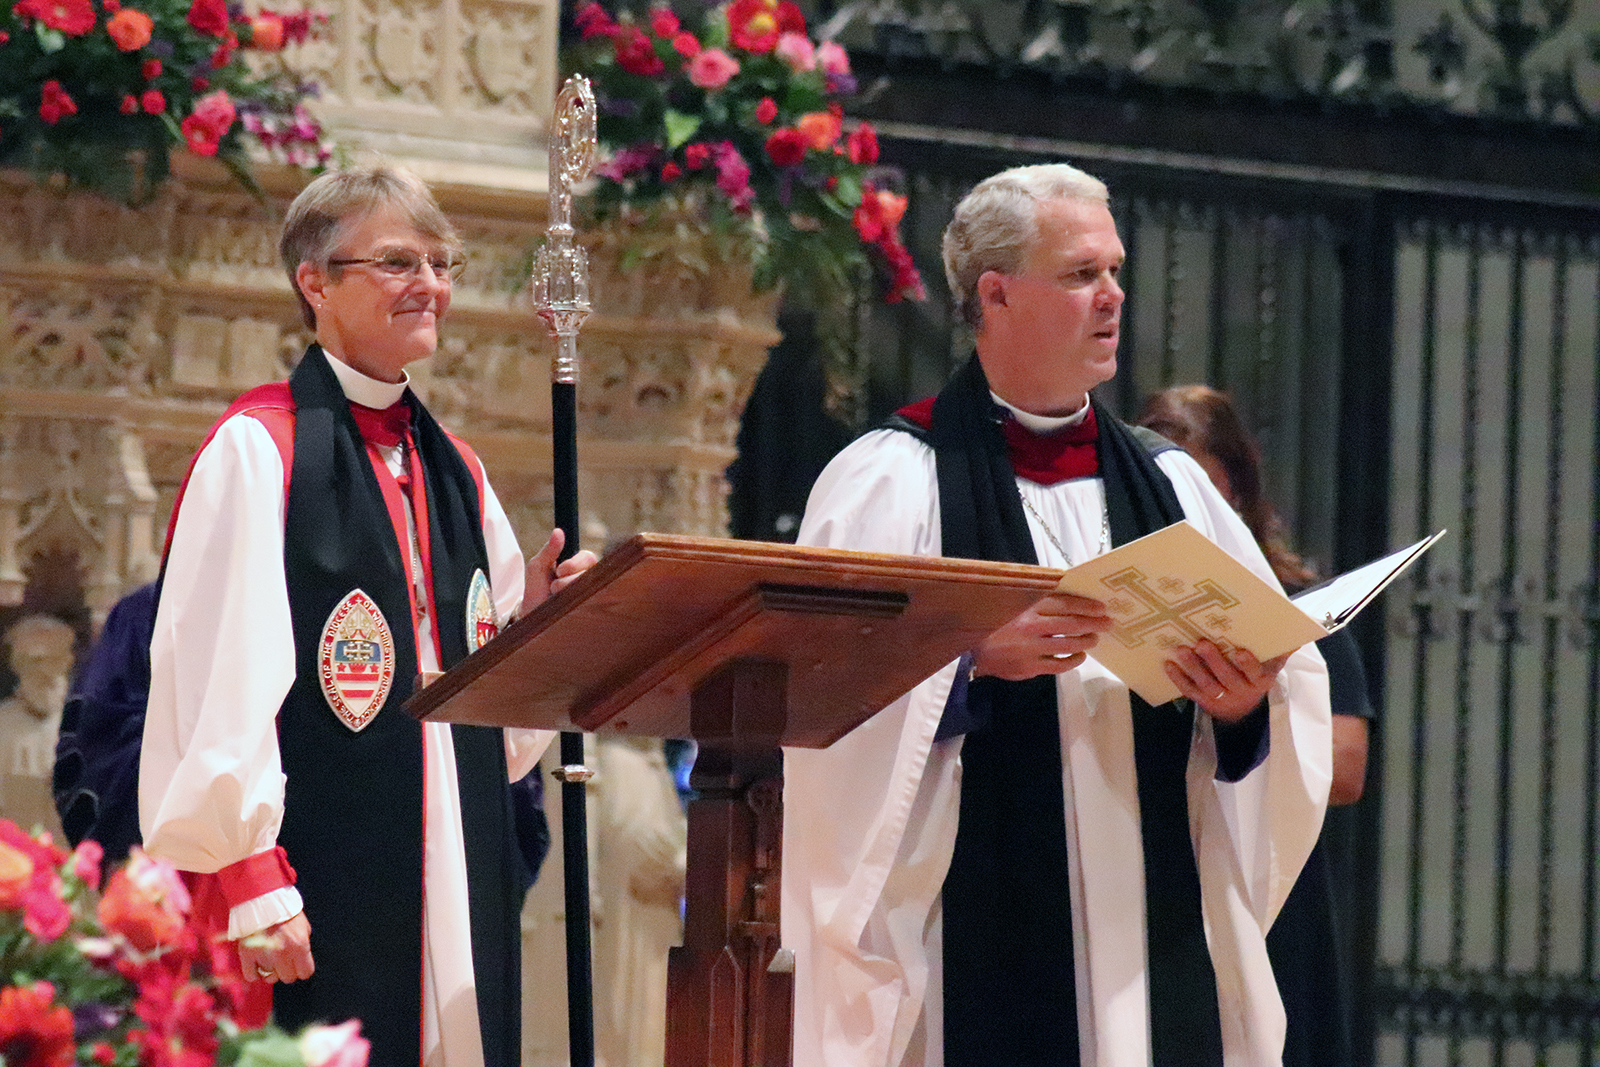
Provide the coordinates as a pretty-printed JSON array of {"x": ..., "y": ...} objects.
[
  {"x": 841, "y": 84},
  {"x": 159, "y": 47},
  {"x": 91, "y": 1018},
  {"x": 619, "y": 106},
  {"x": 628, "y": 162}
]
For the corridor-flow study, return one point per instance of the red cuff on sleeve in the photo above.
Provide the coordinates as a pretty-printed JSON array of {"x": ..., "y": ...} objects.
[{"x": 256, "y": 876}]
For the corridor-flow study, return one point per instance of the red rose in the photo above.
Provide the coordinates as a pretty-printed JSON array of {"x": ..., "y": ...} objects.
[
  {"x": 635, "y": 53},
  {"x": 4, "y": 37},
  {"x": 153, "y": 102},
  {"x": 54, "y": 103},
  {"x": 766, "y": 111},
  {"x": 671, "y": 172},
  {"x": 199, "y": 84},
  {"x": 33, "y": 1029},
  {"x": 72, "y": 17},
  {"x": 697, "y": 155},
  {"x": 790, "y": 18},
  {"x": 151, "y": 69},
  {"x": 110, "y": 7},
  {"x": 129, "y": 105},
  {"x": 685, "y": 45},
  {"x": 753, "y": 25},
  {"x": 787, "y": 147},
  {"x": 224, "y": 52},
  {"x": 592, "y": 21},
  {"x": 663, "y": 23},
  {"x": 863, "y": 145},
  {"x": 209, "y": 17}
]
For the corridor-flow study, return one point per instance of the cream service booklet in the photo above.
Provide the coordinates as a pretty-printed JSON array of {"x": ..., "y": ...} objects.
[{"x": 1171, "y": 588}]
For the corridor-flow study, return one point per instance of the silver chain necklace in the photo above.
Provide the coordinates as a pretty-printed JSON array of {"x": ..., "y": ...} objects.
[{"x": 1105, "y": 533}]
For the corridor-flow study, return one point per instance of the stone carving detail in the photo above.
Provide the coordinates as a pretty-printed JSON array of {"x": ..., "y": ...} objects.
[
  {"x": 402, "y": 41},
  {"x": 113, "y": 368},
  {"x": 507, "y": 59}
]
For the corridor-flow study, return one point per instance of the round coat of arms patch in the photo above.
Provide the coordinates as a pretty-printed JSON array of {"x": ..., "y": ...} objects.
[
  {"x": 482, "y": 623},
  {"x": 355, "y": 659}
]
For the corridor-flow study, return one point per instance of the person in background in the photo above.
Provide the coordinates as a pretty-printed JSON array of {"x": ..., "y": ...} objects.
[
  {"x": 330, "y": 545},
  {"x": 1019, "y": 862},
  {"x": 1310, "y": 944}
]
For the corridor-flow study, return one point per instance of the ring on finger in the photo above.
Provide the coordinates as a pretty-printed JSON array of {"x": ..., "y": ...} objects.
[{"x": 263, "y": 972}]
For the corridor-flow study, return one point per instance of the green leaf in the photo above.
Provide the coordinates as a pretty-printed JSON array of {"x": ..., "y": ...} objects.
[
  {"x": 848, "y": 192},
  {"x": 271, "y": 1050},
  {"x": 50, "y": 40},
  {"x": 680, "y": 128}
]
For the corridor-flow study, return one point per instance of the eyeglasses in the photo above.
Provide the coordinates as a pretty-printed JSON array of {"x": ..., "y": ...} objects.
[{"x": 407, "y": 263}]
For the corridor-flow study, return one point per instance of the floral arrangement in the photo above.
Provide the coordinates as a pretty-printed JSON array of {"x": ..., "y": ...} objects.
[
  {"x": 126, "y": 979},
  {"x": 742, "y": 120},
  {"x": 99, "y": 91}
]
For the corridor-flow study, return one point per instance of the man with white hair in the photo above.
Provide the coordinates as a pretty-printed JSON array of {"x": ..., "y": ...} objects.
[{"x": 1031, "y": 866}]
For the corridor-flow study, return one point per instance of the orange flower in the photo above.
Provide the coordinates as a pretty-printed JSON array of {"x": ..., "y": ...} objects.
[
  {"x": 16, "y": 874},
  {"x": 821, "y": 129},
  {"x": 266, "y": 32},
  {"x": 35, "y": 1031},
  {"x": 130, "y": 29},
  {"x": 145, "y": 902}
]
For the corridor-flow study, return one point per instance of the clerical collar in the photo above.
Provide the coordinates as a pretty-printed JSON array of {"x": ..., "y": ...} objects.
[
  {"x": 368, "y": 392},
  {"x": 1042, "y": 424}
]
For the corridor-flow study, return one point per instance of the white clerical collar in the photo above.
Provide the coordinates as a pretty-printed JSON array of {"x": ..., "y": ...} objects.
[
  {"x": 368, "y": 392},
  {"x": 1042, "y": 424}
]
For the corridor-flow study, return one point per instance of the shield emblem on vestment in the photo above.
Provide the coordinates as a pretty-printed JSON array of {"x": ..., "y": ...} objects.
[
  {"x": 355, "y": 659},
  {"x": 482, "y": 623}
]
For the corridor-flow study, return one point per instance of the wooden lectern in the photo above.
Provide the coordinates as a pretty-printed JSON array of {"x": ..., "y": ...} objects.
[{"x": 744, "y": 646}]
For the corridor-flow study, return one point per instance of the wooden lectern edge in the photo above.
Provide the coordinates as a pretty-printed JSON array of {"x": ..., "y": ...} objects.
[{"x": 863, "y": 566}]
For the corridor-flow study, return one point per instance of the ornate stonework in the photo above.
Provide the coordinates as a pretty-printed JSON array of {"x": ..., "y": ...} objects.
[{"x": 124, "y": 333}]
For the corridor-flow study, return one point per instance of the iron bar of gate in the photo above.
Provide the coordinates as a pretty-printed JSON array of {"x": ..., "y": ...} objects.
[
  {"x": 1507, "y": 631},
  {"x": 1466, "y": 613},
  {"x": 1590, "y": 608},
  {"x": 1427, "y": 622}
]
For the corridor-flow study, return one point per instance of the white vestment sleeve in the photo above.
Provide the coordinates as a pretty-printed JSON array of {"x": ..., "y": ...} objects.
[
  {"x": 506, "y": 579},
  {"x": 221, "y": 662}
]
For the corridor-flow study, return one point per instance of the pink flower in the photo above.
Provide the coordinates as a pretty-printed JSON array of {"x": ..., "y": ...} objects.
[
  {"x": 712, "y": 69},
  {"x": 153, "y": 102},
  {"x": 766, "y": 111},
  {"x": 832, "y": 58},
  {"x": 635, "y": 54},
  {"x": 334, "y": 1046},
  {"x": 212, "y": 118},
  {"x": 146, "y": 901},
  {"x": 671, "y": 172},
  {"x": 733, "y": 176},
  {"x": 697, "y": 155},
  {"x": 129, "y": 105},
  {"x": 796, "y": 50},
  {"x": 87, "y": 856}
]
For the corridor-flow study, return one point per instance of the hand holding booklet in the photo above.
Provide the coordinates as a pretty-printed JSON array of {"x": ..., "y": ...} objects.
[{"x": 1171, "y": 588}]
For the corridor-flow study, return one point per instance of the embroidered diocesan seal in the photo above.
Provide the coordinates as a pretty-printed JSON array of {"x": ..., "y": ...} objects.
[
  {"x": 355, "y": 659},
  {"x": 482, "y": 625}
]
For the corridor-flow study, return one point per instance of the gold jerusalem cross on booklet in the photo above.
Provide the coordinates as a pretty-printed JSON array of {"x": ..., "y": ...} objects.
[{"x": 1173, "y": 587}]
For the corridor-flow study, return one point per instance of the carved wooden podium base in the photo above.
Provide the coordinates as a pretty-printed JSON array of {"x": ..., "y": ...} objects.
[
  {"x": 744, "y": 647},
  {"x": 730, "y": 988}
]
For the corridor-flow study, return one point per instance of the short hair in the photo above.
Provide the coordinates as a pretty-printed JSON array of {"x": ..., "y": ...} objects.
[
  {"x": 332, "y": 203},
  {"x": 995, "y": 224}
]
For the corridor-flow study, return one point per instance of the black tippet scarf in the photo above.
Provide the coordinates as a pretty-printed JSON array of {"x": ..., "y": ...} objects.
[
  {"x": 352, "y": 822},
  {"x": 1009, "y": 965}
]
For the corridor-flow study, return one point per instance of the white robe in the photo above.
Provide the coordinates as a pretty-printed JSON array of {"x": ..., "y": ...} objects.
[
  {"x": 870, "y": 823},
  {"x": 222, "y": 659}
]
